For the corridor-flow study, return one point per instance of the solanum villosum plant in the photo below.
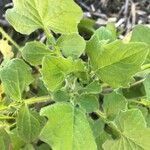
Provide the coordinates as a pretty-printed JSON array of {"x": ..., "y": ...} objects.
[{"x": 68, "y": 93}]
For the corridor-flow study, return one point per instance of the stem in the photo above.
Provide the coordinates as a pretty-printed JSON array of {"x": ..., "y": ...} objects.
[
  {"x": 6, "y": 118},
  {"x": 49, "y": 36},
  {"x": 115, "y": 132},
  {"x": 9, "y": 38},
  {"x": 143, "y": 102},
  {"x": 34, "y": 100},
  {"x": 146, "y": 66}
]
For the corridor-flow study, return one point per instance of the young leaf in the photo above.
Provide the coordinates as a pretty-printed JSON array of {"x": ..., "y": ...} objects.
[
  {"x": 89, "y": 102},
  {"x": 92, "y": 88},
  {"x": 113, "y": 104},
  {"x": 67, "y": 128},
  {"x": 61, "y": 96},
  {"x": 61, "y": 16},
  {"x": 133, "y": 132},
  {"x": 33, "y": 52},
  {"x": 15, "y": 77},
  {"x": 71, "y": 45},
  {"x": 55, "y": 69},
  {"x": 29, "y": 124},
  {"x": 116, "y": 58}
]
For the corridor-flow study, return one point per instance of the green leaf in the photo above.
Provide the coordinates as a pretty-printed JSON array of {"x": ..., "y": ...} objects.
[
  {"x": 147, "y": 86},
  {"x": 61, "y": 16},
  {"x": 89, "y": 102},
  {"x": 113, "y": 103},
  {"x": 92, "y": 88},
  {"x": 99, "y": 133},
  {"x": 15, "y": 76},
  {"x": 33, "y": 52},
  {"x": 133, "y": 132},
  {"x": 61, "y": 96},
  {"x": 71, "y": 45},
  {"x": 29, "y": 124},
  {"x": 5, "y": 142},
  {"x": 55, "y": 69},
  {"x": 17, "y": 142},
  {"x": 86, "y": 27},
  {"x": 28, "y": 147},
  {"x": 141, "y": 33},
  {"x": 101, "y": 37},
  {"x": 128, "y": 58},
  {"x": 67, "y": 128}
]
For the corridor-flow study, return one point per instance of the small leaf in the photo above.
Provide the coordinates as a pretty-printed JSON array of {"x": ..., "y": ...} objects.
[
  {"x": 15, "y": 76},
  {"x": 29, "y": 125},
  {"x": 67, "y": 128},
  {"x": 113, "y": 103},
  {"x": 61, "y": 16},
  {"x": 89, "y": 102},
  {"x": 55, "y": 69},
  {"x": 61, "y": 96},
  {"x": 33, "y": 52},
  {"x": 133, "y": 132},
  {"x": 71, "y": 45},
  {"x": 92, "y": 88}
]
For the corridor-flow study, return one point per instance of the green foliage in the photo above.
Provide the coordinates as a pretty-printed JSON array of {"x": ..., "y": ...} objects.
[
  {"x": 66, "y": 93},
  {"x": 15, "y": 77},
  {"x": 67, "y": 123},
  {"x": 60, "y": 16},
  {"x": 71, "y": 45}
]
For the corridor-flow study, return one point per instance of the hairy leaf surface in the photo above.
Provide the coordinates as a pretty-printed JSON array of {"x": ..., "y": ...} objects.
[
  {"x": 15, "y": 76},
  {"x": 67, "y": 128},
  {"x": 133, "y": 130},
  {"x": 61, "y": 16}
]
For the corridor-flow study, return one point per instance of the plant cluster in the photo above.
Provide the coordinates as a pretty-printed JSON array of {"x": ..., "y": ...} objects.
[{"x": 68, "y": 93}]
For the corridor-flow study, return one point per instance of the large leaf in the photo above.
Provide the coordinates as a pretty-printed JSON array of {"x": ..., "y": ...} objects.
[
  {"x": 71, "y": 45},
  {"x": 67, "y": 128},
  {"x": 55, "y": 69},
  {"x": 15, "y": 76},
  {"x": 29, "y": 124},
  {"x": 133, "y": 132},
  {"x": 61, "y": 16},
  {"x": 116, "y": 63},
  {"x": 33, "y": 52},
  {"x": 113, "y": 103}
]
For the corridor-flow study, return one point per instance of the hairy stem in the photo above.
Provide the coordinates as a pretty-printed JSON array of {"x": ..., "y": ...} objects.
[
  {"x": 114, "y": 130},
  {"x": 4, "y": 34},
  {"x": 146, "y": 66},
  {"x": 34, "y": 100}
]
